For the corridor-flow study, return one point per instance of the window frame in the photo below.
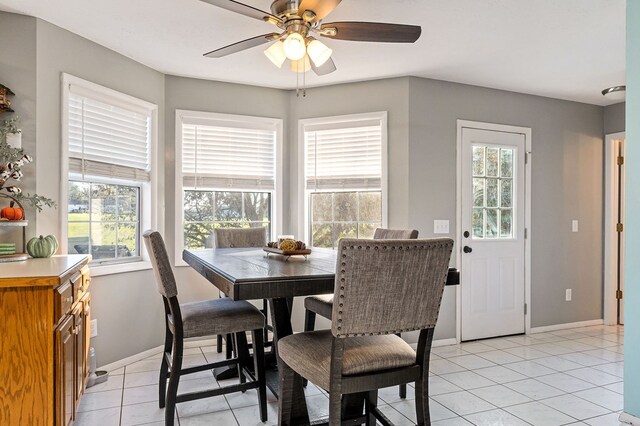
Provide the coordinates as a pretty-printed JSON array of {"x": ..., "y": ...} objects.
[
  {"x": 304, "y": 214},
  {"x": 148, "y": 200},
  {"x": 276, "y": 193}
]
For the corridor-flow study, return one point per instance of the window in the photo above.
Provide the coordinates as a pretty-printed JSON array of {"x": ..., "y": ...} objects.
[
  {"x": 108, "y": 145},
  {"x": 344, "y": 161},
  {"x": 493, "y": 197},
  {"x": 229, "y": 174}
]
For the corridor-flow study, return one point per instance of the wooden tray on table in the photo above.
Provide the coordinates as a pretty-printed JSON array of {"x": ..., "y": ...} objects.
[{"x": 287, "y": 253}]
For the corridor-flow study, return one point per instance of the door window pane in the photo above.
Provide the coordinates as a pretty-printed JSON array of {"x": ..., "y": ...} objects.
[
  {"x": 491, "y": 225},
  {"x": 492, "y": 161},
  {"x": 506, "y": 193},
  {"x": 478, "y": 160},
  {"x": 506, "y": 224},
  {"x": 506, "y": 162},
  {"x": 477, "y": 220},
  {"x": 478, "y": 192},
  {"x": 492, "y": 192}
]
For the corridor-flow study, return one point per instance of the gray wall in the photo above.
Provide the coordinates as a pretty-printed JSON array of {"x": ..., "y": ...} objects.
[
  {"x": 614, "y": 118},
  {"x": 127, "y": 306},
  {"x": 566, "y": 185},
  {"x": 18, "y": 72}
]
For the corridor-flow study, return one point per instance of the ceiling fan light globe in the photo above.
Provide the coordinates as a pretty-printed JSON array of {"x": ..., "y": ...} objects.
[
  {"x": 294, "y": 47},
  {"x": 319, "y": 52},
  {"x": 275, "y": 53},
  {"x": 301, "y": 65}
]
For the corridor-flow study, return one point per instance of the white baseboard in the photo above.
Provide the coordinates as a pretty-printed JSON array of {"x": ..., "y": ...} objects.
[
  {"x": 557, "y": 327},
  {"x": 444, "y": 342},
  {"x": 151, "y": 352},
  {"x": 197, "y": 343},
  {"x": 131, "y": 359},
  {"x": 629, "y": 419}
]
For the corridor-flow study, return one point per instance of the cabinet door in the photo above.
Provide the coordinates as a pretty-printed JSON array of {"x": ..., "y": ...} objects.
[
  {"x": 64, "y": 371},
  {"x": 86, "y": 336},
  {"x": 78, "y": 367}
]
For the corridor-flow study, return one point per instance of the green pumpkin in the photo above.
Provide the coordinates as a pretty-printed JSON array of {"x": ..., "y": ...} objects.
[{"x": 42, "y": 246}]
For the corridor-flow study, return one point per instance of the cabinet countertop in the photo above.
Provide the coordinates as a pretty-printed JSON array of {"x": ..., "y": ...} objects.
[{"x": 39, "y": 272}]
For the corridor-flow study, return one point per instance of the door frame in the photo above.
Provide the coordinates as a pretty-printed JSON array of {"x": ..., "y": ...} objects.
[
  {"x": 526, "y": 131},
  {"x": 610, "y": 221}
]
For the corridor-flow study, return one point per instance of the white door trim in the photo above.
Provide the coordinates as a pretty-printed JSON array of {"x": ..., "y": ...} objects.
[
  {"x": 526, "y": 131},
  {"x": 610, "y": 220}
]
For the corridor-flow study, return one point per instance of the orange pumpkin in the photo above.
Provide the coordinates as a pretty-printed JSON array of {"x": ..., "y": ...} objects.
[{"x": 12, "y": 213}]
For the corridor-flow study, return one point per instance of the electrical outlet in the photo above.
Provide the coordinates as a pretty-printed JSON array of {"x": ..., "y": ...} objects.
[
  {"x": 574, "y": 226},
  {"x": 94, "y": 327},
  {"x": 567, "y": 295},
  {"x": 440, "y": 226}
]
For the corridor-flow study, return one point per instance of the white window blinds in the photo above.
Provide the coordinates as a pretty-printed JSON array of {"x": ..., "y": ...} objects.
[
  {"x": 235, "y": 155},
  {"x": 108, "y": 137},
  {"x": 345, "y": 155}
]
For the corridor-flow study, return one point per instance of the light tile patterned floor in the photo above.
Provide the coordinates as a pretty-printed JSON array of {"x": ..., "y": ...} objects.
[{"x": 564, "y": 377}]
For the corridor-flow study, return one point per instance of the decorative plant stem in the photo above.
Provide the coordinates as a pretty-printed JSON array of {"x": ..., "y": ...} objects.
[{"x": 11, "y": 162}]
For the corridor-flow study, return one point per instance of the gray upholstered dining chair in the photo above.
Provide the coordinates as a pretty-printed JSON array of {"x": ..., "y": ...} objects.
[
  {"x": 382, "y": 287},
  {"x": 239, "y": 238},
  {"x": 323, "y": 304},
  {"x": 202, "y": 319}
]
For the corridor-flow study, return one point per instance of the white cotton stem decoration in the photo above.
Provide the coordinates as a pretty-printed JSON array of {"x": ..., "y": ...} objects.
[{"x": 14, "y": 140}]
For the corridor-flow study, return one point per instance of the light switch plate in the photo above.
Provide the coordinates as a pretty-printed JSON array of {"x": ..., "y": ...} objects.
[
  {"x": 94, "y": 327},
  {"x": 574, "y": 226},
  {"x": 440, "y": 226}
]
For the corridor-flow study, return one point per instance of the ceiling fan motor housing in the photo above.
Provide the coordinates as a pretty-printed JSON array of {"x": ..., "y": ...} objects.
[{"x": 285, "y": 8}]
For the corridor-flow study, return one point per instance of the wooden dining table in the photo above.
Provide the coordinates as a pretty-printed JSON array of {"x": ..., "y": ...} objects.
[{"x": 253, "y": 274}]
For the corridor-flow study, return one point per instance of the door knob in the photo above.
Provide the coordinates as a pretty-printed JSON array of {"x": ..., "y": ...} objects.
[{"x": 467, "y": 249}]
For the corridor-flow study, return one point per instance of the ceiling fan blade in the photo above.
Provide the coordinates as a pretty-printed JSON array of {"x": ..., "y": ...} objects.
[
  {"x": 321, "y": 8},
  {"x": 242, "y": 45},
  {"x": 244, "y": 9},
  {"x": 372, "y": 31},
  {"x": 326, "y": 68}
]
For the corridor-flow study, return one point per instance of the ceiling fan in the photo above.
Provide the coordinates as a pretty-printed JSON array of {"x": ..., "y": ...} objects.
[{"x": 301, "y": 20}]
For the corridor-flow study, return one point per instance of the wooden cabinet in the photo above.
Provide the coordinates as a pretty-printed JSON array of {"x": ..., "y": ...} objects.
[{"x": 46, "y": 309}]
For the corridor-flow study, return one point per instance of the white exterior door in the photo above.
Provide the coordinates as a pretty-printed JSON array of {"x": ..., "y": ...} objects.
[{"x": 493, "y": 234}]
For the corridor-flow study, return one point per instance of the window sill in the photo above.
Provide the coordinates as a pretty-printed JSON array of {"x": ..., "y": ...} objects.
[{"x": 120, "y": 268}]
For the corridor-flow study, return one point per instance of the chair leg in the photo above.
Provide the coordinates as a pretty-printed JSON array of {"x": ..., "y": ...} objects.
[
  {"x": 258, "y": 365},
  {"x": 309, "y": 325},
  {"x": 239, "y": 356},
  {"x": 422, "y": 401},
  {"x": 164, "y": 368},
  {"x": 229, "y": 346},
  {"x": 174, "y": 381},
  {"x": 265, "y": 312},
  {"x": 370, "y": 404},
  {"x": 335, "y": 409},
  {"x": 285, "y": 400},
  {"x": 422, "y": 384},
  {"x": 402, "y": 391},
  {"x": 219, "y": 343},
  {"x": 309, "y": 320}
]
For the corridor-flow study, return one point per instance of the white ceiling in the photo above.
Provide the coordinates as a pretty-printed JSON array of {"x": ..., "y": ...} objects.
[{"x": 567, "y": 49}]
